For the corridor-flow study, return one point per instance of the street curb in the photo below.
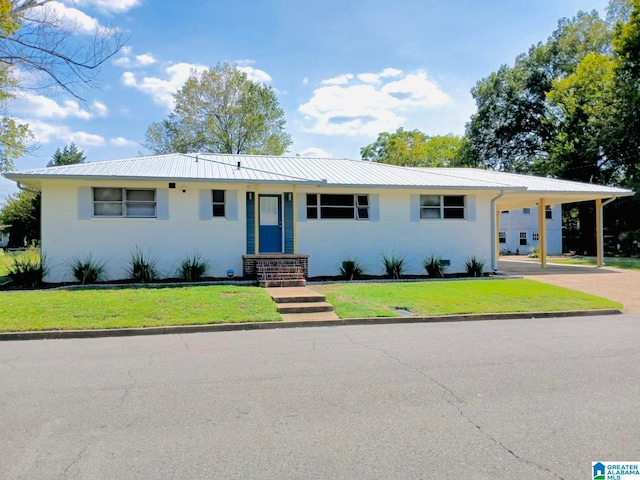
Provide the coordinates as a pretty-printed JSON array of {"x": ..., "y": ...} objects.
[{"x": 229, "y": 327}]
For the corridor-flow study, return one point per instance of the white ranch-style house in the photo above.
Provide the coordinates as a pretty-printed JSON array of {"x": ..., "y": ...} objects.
[
  {"x": 518, "y": 230},
  {"x": 240, "y": 211}
]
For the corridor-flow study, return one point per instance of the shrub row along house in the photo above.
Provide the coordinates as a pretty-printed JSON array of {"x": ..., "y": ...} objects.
[{"x": 245, "y": 213}]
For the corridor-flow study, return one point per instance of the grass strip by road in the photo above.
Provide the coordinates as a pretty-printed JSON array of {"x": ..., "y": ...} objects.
[
  {"x": 628, "y": 263},
  {"x": 133, "y": 307},
  {"x": 450, "y": 298}
]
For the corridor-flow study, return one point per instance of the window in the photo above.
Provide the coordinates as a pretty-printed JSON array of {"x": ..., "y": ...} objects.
[
  {"x": 124, "y": 202},
  {"x": 327, "y": 206},
  {"x": 505, "y": 211},
  {"x": 523, "y": 238},
  {"x": 526, "y": 211},
  {"x": 502, "y": 237},
  {"x": 442, "y": 206},
  {"x": 548, "y": 213},
  {"x": 218, "y": 203},
  {"x": 535, "y": 236}
]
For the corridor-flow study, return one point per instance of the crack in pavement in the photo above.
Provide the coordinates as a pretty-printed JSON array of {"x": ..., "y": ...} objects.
[
  {"x": 130, "y": 386},
  {"x": 454, "y": 405},
  {"x": 184, "y": 341},
  {"x": 75, "y": 461}
]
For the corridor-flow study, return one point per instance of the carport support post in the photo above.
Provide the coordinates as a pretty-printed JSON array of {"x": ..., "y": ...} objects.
[
  {"x": 542, "y": 232},
  {"x": 599, "y": 233}
]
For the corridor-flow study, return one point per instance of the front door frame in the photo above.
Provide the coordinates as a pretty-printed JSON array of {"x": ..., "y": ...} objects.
[{"x": 265, "y": 240}]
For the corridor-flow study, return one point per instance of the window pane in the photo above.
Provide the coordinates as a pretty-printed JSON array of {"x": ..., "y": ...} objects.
[
  {"x": 107, "y": 194},
  {"x": 141, "y": 209},
  {"x": 363, "y": 200},
  {"x": 363, "y": 213},
  {"x": 218, "y": 210},
  {"x": 141, "y": 195},
  {"x": 327, "y": 200},
  {"x": 337, "y": 212},
  {"x": 430, "y": 201},
  {"x": 454, "y": 200},
  {"x": 454, "y": 212},
  {"x": 218, "y": 196},
  {"x": 312, "y": 212},
  {"x": 107, "y": 209},
  {"x": 430, "y": 213},
  {"x": 312, "y": 199}
]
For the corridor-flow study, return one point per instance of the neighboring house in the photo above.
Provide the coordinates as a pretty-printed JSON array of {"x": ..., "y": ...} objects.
[
  {"x": 518, "y": 230},
  {"x": 4, "y": 236},
  {"x": 238, "y": 210}
]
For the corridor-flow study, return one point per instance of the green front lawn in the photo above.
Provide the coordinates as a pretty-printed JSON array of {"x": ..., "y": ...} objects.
[
  {"x": 630, "y": 263},
  {"x": 456, "y": 297},
  {"x": 133, "y": 307}
]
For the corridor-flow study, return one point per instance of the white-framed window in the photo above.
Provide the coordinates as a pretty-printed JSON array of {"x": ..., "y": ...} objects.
[
  {"x": 535, "y": 236},
  {"x": 502, "y": 237},
  {"x": 219, "y": 202},
  {"x": 124, "y": 202},
  {"x": 523, "y": 238},
  {"x": 548, "y": 213},
  {"x": 337, "y": 206},
  {"x": 526, "y": 211},
  {"x": 442, "y": 206}
]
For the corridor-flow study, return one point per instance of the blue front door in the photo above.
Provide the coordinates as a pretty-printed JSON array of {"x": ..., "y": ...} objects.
[{"x": 270, "y": 218}]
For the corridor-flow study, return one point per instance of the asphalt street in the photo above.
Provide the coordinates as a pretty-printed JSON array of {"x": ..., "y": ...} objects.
[{"x": 508, "y": 399}]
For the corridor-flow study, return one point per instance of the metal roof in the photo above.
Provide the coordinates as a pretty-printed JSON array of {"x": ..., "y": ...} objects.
[{"x": 303, "y": 170}]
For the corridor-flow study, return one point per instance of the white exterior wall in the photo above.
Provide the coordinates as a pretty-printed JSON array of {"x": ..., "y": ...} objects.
[
  {"x": 328, "y": 242},
  {"x": 65, "y": 235},
  {"x": 516, "y": 222}
]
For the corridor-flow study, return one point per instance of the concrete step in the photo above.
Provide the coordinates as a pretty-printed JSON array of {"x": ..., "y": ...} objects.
[
  {"x": 309, "y": 317},
  {"x": 295, "y": 295},
  {"x": 304, "y": 307},
  {"x": 301, "y": 299}
]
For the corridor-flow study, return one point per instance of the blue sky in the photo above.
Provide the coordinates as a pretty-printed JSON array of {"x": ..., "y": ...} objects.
[{"x": 344, "y": 70}]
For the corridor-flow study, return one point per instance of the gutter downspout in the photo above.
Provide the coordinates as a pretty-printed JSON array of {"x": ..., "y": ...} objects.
[
  {"x": 494, "y": 229},
  {"x": 600, "y": 232},
  {"x": 27, "y": 189}
]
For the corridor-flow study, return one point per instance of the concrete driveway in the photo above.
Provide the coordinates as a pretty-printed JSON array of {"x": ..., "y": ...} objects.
[
  {"x": 512, "y": 399},
  {"x": 614, "y": 283}
]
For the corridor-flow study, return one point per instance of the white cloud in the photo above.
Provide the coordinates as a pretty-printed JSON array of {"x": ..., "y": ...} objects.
[
  {"x": 255, "y": 74},
  {"x": 162, "y": 90},
  {"x": 128, "y": 60},
  {"x": 339, "y": 80},
  {"x": 305, "y": 80},
  {"x": 369, "y": 77},
  {"x": 43, "y": 107},
  {"x": 315, "y": 152},
  {"x": 358, "y": 106},
  {"x": 110, "y": 6},
  {"x": 70, "y": 18},
  {"x": 45, "y": 132},
  {"x": 123, "y": 142}
]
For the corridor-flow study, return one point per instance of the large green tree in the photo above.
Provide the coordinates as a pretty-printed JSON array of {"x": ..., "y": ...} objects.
[
  {"x": 413, "y": 148},
  {"x": 69, "y": 155},
  {"x": 220, "y": 110},
  {"x": 21, "y": 212}
]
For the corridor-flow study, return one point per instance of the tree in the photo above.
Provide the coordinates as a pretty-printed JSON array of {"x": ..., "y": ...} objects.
[
  {"x": 21, "y": 212},
  {"x": 220, "y": 110},
  {"x": 68, "y": 156},
  {"x": 416, "y": 149},
  {"x": 37, "y": 40}
]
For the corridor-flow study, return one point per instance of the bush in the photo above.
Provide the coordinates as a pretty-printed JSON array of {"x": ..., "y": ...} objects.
[
  {"x": 193, "y": 269},
  {"x": 474, "y": 266},
  {"x": 28, "y": 268},
  {"x": 87, "y": 270},
  {"x": 534, "y": 253},
  {"x": 351, "y": 268},
  {"x": 393, "y": 265},
  {"x": 141, "y": 268},
  {"x": 433, "y": 265}
]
